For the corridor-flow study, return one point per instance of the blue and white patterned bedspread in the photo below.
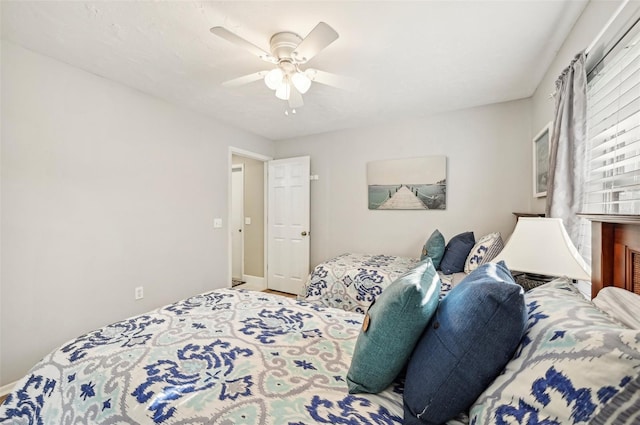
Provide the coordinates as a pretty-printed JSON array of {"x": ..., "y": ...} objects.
[
  {"x": 225, "y": 357},
  {"x": 351, "y": 282}
]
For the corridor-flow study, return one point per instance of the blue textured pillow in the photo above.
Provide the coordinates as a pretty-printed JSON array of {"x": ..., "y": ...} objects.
[
  {"x": 470, "y": 339},
  {"x": 434, "y": 248},
  {"x": 456, "y": 253},
  {"x": 391, "y": 328}
]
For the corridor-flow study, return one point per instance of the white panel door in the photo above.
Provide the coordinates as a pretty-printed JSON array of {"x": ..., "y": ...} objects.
[
  {"x": 288, "y": 224},
  {"x": 237, "y": 223}
]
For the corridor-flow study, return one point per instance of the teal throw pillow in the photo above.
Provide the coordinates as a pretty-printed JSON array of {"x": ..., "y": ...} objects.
[
  {"x": 434, "y": 248},
  {"x": 392, "y": 327},
  {"x": 470, "y": 339}
]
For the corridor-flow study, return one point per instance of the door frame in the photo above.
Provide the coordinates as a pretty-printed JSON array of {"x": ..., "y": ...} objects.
[
  {"x": 265, "y": 163},
  {"x": 234, "y": 169}
]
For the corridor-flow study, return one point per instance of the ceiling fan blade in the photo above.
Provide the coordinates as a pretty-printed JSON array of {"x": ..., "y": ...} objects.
[
  {"x": 334, "y": 80},
  {"x": 239, "y": 41},
  {"x": 319, "y": 38},
  {"x": 295, "y": 98},
  {"x": 245, "y": 79}
]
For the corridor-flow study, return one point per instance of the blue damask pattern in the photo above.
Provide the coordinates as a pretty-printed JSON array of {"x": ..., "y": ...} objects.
[
  {"x": 317, "y": 282},
  {"x": 351, "y": 282},
  {"x": 379, "y": 261},
  {"x": 367, "y": 283},
  {"x": 227, "y": 357},
  {"x": 270, "y": 324},
  {"x": 211, "y": 301},
  {"x": 25, "y": 405},
  {"x": 195, "y": 368},
  {"x": 127, "y": 333}
]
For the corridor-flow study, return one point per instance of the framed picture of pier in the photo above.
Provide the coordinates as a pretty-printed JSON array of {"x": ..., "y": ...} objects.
[{"x": 408, "y": 184}]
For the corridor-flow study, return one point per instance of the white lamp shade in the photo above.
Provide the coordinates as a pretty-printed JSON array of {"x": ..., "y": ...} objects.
[
  {"x": 301, "y": 82},
  {"x": 273, "y": 79},
  {"x": 284, "y": 91},
  {"x": 542, "y": 246}
]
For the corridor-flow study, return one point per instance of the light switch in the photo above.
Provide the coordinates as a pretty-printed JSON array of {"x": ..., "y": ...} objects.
[
  {"x": 217, "y": 223},
  {"x": 247, "y": 220}
]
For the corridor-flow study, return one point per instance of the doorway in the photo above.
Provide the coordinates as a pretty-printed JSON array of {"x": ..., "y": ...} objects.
[
  {"x": 274, "y": 256},
  {"x": 237, "y": 225},
  {"x": 247, "y": 218}
]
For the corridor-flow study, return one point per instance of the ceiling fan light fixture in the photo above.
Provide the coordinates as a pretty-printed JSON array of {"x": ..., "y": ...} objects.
[
  {"x": 287, "y": 52},
  {"x": 284, "y": 91},
  {"x": 273, "y": 79},
  {"x": 301, "y": 82}
]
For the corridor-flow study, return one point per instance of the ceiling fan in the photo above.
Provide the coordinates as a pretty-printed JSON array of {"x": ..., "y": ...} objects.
[{"x": 289, "y": 51}]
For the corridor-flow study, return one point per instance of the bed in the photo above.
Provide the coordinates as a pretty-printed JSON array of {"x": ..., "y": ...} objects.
[
  {"x": 352, "y": 281},
  {"x": 225, "y": 357},
  {"x": 240, "y": 357}
]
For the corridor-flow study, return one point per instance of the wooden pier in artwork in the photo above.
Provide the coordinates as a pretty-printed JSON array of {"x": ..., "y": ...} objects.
[{"x": 403, "y": 199}]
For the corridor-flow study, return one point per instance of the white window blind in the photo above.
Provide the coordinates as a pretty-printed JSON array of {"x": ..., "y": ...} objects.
[{"x": 613, "y": 121}]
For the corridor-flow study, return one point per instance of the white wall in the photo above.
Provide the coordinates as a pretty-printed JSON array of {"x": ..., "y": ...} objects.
[
  {"x": 593, "y": 19},
  {"x": 487, "y": 148},
  {"x": 103, "y": 189}
]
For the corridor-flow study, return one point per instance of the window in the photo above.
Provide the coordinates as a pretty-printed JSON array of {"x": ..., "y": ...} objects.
[{"x": 613, "y": 122}]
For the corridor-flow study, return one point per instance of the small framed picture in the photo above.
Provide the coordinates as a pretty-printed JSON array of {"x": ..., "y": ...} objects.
[{"x": 541, "y": 160}]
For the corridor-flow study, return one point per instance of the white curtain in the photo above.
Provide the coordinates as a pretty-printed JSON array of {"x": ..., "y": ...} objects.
[{"x": 567, "y": 160}]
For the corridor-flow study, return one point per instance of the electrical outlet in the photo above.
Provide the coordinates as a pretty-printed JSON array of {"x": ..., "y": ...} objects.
[
  {"x": 139, "y": 293},
  {"x": 217, "y": 223}
]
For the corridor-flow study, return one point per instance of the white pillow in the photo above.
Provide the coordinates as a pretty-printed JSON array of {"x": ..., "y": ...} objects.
[
  {"x": 485, "y": 250},
  {"x": 620, "y": 304}
]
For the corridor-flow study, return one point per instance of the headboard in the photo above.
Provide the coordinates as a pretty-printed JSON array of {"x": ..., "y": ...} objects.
[{"x": 615, "y": 252}]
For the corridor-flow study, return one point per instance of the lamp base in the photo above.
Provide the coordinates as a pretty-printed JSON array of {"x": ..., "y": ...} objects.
[{"x": 531, "y": 280}]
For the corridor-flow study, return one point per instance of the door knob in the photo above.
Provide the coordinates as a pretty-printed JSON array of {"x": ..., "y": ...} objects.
[{"x": 304, "y": 233}]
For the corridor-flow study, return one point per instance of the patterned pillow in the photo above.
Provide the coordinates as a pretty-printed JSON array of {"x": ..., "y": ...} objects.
[
  {"x": 573, "y": 366},
  {"x": 434, "y": 248},
  {"x": 485, "y": 250},
  {"x": 392, "y": 328}
]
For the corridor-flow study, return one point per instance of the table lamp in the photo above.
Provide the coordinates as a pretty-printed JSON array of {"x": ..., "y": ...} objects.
[{"x": 541, "y": 249}]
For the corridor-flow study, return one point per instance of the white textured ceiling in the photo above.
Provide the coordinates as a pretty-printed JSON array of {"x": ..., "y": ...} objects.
[{"x": 411, "y": 57}]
